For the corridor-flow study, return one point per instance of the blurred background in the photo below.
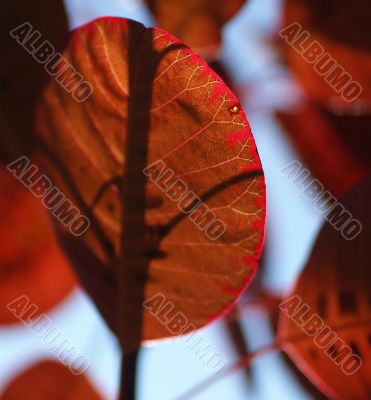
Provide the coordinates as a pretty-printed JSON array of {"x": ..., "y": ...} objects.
[{"x": 293, "y": 115}]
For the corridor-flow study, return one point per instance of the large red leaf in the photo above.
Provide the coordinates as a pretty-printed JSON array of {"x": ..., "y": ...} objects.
[
  {"x": 335, "y": 284},
  {"x": 49, "y": 380},
  {"x": 198, "y": 23},
  {"x": 153, "y": 99},
  {"x": 31, "y": 262}
]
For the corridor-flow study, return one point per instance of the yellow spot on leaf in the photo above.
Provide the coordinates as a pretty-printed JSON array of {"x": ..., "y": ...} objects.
[{"x": 235, "y": 109}]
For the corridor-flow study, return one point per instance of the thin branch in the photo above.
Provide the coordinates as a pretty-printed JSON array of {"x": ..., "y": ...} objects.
[
  {"x": 128, "y": 375},
  {"x": 241, "y": 363}
]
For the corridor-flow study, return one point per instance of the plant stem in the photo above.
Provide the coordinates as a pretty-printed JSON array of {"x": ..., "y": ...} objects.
[{"x": 128, "y": 375}]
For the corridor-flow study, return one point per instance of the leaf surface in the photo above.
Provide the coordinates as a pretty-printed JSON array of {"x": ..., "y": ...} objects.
[
  {"x": 197, "y": 23},
  {"x": 342, "y": 29},
  {"x": 334, "y": 147},
  {"x": 336, "y": 285},
  {"x": 31, "y": 262},
  {"x": 49, "y": 380},
  {"x": 154, "y": 101}
]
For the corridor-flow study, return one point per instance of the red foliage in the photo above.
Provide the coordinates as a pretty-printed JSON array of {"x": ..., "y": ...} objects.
[
  {"x": 49, "y": 380},
  {"x": 335, "y": 286},
  {"x": 31, "y": 262},
  {"x": 335, "y": 148},
  {"x": 197, "y": 23},
  {"x": 153, "y": 100}
]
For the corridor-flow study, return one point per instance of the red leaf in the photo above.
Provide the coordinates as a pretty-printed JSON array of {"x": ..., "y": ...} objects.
[
  {"x": 342, "y": 29},
  {"x": 153, "y": 99},
  {"x": 335, "y": 285},
  {"x": 31, "y": 262},
  {"x": 49, "y": 380},
  {"x": 198, "y": 23},
  {"x": 335, "y": 148}
]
